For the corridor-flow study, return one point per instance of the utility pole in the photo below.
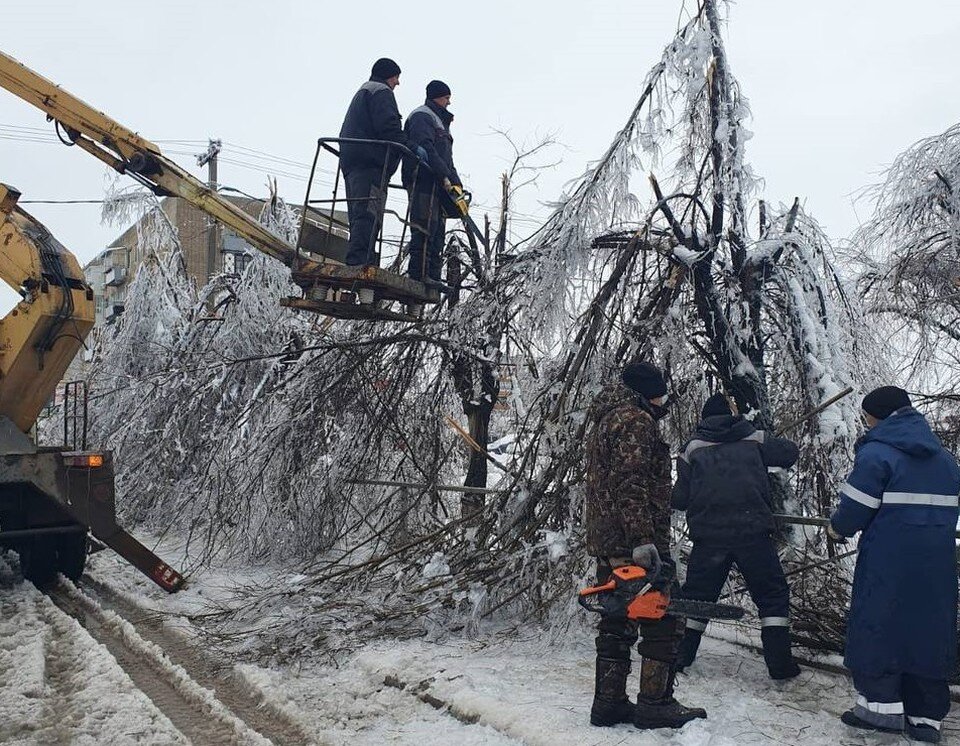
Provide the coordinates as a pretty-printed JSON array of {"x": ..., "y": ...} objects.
[{"x": 209, "y": 159}]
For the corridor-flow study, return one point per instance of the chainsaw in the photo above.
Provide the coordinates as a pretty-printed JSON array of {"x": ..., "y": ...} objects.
[
  {"x": 461, "y": 200},
  {"x": 455, "y": 203},
  {"x": 631, "y": 593}
]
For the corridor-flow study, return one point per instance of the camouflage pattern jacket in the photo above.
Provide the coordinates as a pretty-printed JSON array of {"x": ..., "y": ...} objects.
[{"x": 628, "y": 478}]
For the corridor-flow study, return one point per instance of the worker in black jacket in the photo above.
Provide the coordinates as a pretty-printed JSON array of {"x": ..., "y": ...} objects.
[
  {"x": 723, "y": 486},
  {"x": 367, "y": 167},
  {"x": 428, "y": 127}
]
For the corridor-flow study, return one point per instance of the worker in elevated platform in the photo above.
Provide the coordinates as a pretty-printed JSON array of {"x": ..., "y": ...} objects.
[
  {"x": 367, "y": 167},
  {"x": 428, "y": 128}
]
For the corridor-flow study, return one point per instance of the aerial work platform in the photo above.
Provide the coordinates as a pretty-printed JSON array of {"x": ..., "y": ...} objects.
[
  {"x": 328, "y": 286},
  {"x": 337, "y": 281}
]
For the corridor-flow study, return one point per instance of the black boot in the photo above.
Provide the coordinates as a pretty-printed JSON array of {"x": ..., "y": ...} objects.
[
  {"x": 777, "y": 653},
  {"x": 688, "y": 648},
  {"x": 610, "y": 703},
  {"x": 656, "y": 707}
]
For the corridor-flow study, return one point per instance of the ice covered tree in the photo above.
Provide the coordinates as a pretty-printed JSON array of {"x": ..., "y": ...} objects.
[
  {"x": 266, "y": 429},
  {"x": 909, "y": 251}
]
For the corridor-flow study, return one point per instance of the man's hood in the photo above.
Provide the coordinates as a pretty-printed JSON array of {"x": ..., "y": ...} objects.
[
  {"x": 906, "y": 430},
  {"x": 723, "y": 428}
]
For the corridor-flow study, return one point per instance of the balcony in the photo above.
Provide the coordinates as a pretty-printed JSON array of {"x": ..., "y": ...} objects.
[{"x": 114, "y": 276}]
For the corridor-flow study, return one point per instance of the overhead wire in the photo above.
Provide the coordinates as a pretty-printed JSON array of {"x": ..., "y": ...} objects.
[{"x": 246, "y": 157}]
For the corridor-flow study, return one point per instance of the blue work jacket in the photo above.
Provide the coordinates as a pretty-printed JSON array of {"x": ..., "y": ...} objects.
[{"x": 902, "y": 496}]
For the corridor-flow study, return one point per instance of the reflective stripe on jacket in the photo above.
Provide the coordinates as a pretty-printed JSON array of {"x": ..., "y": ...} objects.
[{"x": 722, "y": 480}]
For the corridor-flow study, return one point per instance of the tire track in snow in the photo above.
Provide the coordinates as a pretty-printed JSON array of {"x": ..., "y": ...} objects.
[
  {"x": 194, "y": 710},
  {"x": 57, "y": 686},
  {"x": 242, "y": 698},
  {"x": 62, "y": 673}
]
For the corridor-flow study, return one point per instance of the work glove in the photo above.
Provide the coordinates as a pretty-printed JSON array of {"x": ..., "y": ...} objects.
[
  {"x": 422, "y": 153},
  {"x": 834, "y": 536},
  {"x": 459, "y": 198},
  {"x": 647, "y": 557}
]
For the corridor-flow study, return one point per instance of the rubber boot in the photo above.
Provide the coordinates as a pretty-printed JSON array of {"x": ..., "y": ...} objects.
[
  {"x": 610, "y": 702},
  {"x": 656, "y": 706},
  {"x": 688, "y": 648},
  {"x": 777, "y": 653}
]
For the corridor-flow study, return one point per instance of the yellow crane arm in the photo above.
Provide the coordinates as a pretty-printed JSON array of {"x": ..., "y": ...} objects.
[
  {"x": 40, "y": 337},
  {"x": 128, "y": 153}
]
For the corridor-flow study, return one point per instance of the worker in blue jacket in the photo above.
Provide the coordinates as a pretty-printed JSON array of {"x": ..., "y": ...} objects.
[
  {"x": 428, "y": 127},
  {"x": 902, "y": 630},
  {"x": 367, "y": 167}
]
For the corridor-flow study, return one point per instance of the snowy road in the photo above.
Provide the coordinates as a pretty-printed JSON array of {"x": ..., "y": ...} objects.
[
  {"x": 59, "y": 685},
  {"x": 74, "y": 672}
]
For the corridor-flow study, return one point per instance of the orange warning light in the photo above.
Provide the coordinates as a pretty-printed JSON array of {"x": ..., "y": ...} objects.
[{"x": 84, "y": 460}]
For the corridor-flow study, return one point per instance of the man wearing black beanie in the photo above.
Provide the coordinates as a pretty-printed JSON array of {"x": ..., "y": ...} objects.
[
  {"x": 428, "y": 127},
  {"x": 723, "y": 486},
  {"x": 627, "y": 520},
  {"x": 367, "y": 167},
  {"x": 901, "y": 643}
]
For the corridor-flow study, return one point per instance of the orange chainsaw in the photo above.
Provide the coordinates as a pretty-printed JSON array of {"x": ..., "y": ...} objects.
[{"x": 631, "y": 593}]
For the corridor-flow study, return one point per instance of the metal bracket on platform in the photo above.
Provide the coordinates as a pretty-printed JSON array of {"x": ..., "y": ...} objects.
[{"x": 366, "y": 311}]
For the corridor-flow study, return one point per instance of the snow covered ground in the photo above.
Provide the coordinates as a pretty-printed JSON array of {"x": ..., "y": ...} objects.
[{"x": 57, "y": 685}]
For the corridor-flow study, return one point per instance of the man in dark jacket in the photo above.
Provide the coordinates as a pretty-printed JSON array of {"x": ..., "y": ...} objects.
[
  {"x": 722, "y": 484},
  {"x": 428, "y": 127},
  {"x": 367, "y": 167},
  {"x": 627, "y": 516},
  {"x": 901, "y": 633}
]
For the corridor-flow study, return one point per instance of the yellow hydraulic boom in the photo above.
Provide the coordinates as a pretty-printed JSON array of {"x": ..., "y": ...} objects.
[
  {"x": 51, "y": 497},
  {"x": 129, "y": 153},
  {"x": 39, "y": 337}
]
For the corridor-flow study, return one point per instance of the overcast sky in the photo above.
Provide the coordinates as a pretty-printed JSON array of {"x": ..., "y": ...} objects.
[{"x": 837, "y": 89}]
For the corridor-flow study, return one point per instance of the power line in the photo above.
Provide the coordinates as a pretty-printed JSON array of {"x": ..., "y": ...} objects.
[
  {"x": 266, "y": 156},
  {"x": 61, "y": 201}
]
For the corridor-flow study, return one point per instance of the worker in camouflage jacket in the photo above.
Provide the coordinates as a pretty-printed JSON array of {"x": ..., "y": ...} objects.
[
  {"x": 723, "y": 485},
  {"x": 901, "y": 497},
  {"x": 627, "y": 517}
]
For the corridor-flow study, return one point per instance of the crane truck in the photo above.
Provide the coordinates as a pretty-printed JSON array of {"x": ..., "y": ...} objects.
[
  {"x": 50, "y": 498},
  {"x": 79, "y": 124}
]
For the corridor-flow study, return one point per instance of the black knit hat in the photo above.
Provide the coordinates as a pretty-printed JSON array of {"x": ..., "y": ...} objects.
[
  {"x": 884, "y": 401},
  {"x": 384, "y": 69},
  {"x": 716, "y": 405},
  {"x": 645, "y": 379},
  {"x": 437, "y": 89}
]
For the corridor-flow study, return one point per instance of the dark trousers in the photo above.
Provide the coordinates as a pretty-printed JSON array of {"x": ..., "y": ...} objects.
[
  {"x": 427, "y": 232},
  {"x": 885, "y": 700},
  {"x": 707, "y": 571},
  {"x": 658, "y": 639},
  {"x": 367, "y": 198}
]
